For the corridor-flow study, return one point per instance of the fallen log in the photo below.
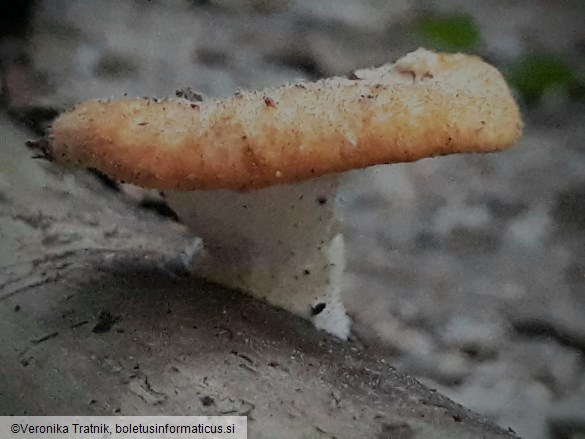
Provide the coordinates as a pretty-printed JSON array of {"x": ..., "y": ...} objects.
[{"x": 98, "y": 317}]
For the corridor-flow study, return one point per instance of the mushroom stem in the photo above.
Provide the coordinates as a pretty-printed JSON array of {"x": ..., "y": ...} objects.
[{"x": 281, "y": 243}]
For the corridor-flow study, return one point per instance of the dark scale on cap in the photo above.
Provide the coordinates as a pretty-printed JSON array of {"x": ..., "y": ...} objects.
[
  {"x": 42, "y": 149},
  {"x": 190, "y": 94}
]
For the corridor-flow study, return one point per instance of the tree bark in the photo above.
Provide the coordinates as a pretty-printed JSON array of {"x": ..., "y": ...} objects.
[{"x": 98, "y": 316}]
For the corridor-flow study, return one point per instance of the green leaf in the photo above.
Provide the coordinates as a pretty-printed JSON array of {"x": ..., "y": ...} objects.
[
  {"x": 450, "y": 32},
  {"x": 536, "y": 74}
]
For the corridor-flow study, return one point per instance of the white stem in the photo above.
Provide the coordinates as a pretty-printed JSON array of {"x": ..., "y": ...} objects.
[{"x": 281, "y": 244}]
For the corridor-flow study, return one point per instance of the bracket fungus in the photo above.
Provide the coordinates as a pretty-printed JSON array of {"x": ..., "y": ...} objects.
[{"x": 256, "y": 175}]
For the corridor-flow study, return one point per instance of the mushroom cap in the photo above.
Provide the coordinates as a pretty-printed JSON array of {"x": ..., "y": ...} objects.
[{"x": 426, "y": 104}]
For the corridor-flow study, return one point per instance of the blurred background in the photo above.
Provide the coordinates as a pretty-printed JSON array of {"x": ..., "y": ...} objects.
[{"x": 469, "y": 271}]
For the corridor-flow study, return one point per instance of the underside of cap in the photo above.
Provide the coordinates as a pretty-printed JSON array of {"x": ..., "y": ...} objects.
[{"x": 426, "y": 104}]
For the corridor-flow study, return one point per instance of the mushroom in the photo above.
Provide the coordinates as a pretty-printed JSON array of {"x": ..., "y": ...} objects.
[{"x": 256, "y": 175}]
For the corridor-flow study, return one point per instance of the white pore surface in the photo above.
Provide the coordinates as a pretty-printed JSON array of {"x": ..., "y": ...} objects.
[{"x": 281, "y": 244}]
